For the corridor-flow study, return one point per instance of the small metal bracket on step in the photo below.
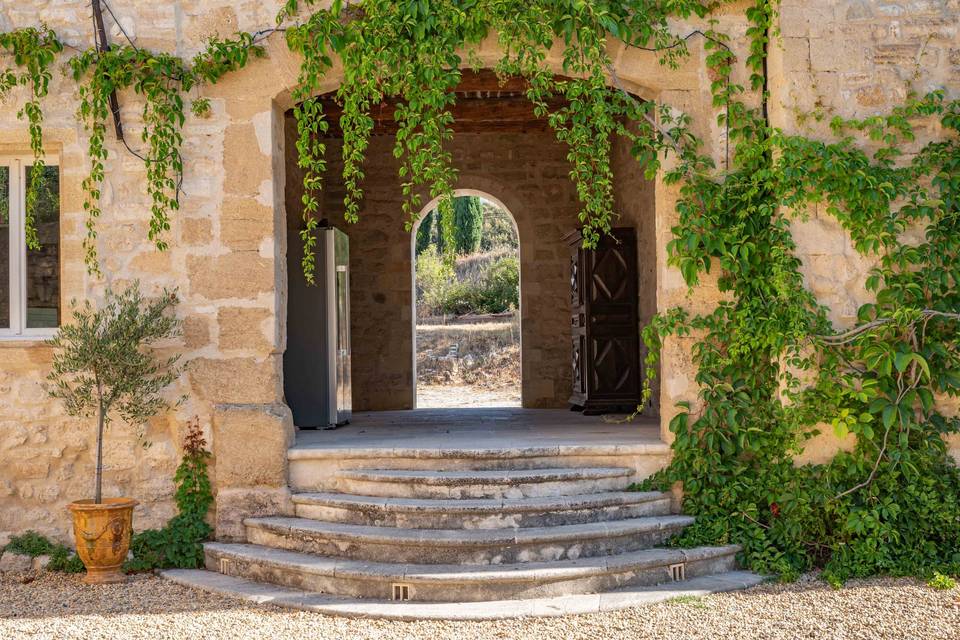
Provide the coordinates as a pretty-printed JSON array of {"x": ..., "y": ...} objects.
[
  {"x": 678, "y": 571},
  {"x": 401, "y": 592}
]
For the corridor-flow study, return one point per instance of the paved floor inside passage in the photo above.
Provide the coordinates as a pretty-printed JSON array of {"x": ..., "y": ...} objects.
[{"x": 484, "y": 428}]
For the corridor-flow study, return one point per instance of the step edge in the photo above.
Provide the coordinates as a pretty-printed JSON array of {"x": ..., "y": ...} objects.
[
  {"x": 468, "y": 537},
  {"x": 497, "y": 505},
  {"x": 308, "y": 452},
  {"x": 540, "y": 572},
  {"x": 250, "y": 591},
  {"x": 463, "y": 478}
]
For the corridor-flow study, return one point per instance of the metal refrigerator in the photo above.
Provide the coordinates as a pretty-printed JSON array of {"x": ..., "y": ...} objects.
[{"x": 317, "y": 361}]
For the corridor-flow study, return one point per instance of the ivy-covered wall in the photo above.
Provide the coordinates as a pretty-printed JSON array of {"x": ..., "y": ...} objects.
[
  {"x": 856, "y": 59},
  {"x": 227, "y": 243},
  {"x": 220, "y": 258}
]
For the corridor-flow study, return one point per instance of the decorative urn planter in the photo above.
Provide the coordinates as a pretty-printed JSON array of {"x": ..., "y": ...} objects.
[{"x": 102, "y": 533}]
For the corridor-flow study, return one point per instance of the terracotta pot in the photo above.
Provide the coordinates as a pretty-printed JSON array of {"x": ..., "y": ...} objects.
[{"x": 102, "y": 533}]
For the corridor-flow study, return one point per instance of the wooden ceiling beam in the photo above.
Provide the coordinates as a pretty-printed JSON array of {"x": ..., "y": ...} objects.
[
  {"x": 483, "y": 104},
  {"x": 486, "y": 80},
  {"x": 469, "y": 115}
]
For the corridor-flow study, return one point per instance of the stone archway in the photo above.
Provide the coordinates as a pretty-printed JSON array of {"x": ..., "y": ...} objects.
[
  {"x": 244, "y": 386},
  {"x": 431, "y": 206}
]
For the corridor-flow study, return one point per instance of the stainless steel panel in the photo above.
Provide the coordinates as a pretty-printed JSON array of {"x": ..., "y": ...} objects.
[{"x": 342, "y": 286}]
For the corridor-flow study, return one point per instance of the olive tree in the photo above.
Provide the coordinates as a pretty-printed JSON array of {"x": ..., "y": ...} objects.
[{"x": 104, "y": 366}]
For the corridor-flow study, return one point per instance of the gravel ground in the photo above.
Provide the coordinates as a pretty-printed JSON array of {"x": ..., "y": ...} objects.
[{"x": 57, "y": 606}]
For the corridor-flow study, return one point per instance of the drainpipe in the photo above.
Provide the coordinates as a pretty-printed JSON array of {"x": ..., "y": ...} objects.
[{"x": 103, "y": 45}]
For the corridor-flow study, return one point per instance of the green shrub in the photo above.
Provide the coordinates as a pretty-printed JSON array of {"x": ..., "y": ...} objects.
[
  {"x": 64, "y": 560},
  {"x": 33, "y": 544},
  {"x": 502, "y": 285},
  {"x": 942, "y": 582},
  {"x": 459, "y": 298},
  {"x": 180, "y": 543},
  {"x": 434, "y": 280},
  {"x": 491, "y": 287}
]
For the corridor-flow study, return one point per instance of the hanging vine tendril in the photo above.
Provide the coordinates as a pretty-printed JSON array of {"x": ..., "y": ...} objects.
[
  {"x": 33, "y": 51},
  {"x": 161, "y": 80},
  {"x": 412, "y": 53}
]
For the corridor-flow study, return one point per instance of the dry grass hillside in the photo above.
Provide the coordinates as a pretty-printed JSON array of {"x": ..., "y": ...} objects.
[{"x": 483, "y": 351}]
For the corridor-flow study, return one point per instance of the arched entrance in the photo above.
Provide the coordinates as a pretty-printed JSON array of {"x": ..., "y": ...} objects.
[
  {"x": 467, "y": 315},
  {"x": 251, "y": 231},
  {"x": 510, "y": 156}
]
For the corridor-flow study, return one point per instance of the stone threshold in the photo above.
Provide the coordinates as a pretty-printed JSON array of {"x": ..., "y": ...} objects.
[
  {"x": 285, "y": 597},
  {"x": 322, "y": 451}
]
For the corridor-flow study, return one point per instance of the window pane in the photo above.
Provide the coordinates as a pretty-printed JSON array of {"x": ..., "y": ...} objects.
[
  {"x": 43, "y": 264},
  {"x": 4, "y": 247}
]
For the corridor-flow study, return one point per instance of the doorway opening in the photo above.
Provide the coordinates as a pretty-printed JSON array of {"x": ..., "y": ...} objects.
[{"x": 467, "y": 306}]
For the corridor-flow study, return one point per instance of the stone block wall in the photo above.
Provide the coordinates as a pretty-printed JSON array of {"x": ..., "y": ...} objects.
[
  {"x": 229, "y": 242},
  {"x": 222, "y": 262},
  {"x": 636, "y": 208},
  {"x": 855, "y": 58},
  {"x": 527, "y": 173}
]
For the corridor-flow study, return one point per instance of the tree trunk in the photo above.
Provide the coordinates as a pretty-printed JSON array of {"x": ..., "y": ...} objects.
[{"x": 98, "y": 492}]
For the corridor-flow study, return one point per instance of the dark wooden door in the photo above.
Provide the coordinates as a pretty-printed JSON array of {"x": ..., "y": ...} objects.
[
  {"x": 605, "y": 325},
  {"x": 578, "y": 322}
]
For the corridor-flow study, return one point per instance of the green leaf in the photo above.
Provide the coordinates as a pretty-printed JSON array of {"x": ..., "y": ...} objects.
[{"x": 889, "y": 415}]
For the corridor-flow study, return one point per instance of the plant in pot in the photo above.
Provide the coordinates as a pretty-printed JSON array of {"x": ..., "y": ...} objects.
[{"x": 104, "y": 366}]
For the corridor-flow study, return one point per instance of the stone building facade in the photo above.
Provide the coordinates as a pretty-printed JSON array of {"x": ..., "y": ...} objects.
[{"x": 228, "y": 243}]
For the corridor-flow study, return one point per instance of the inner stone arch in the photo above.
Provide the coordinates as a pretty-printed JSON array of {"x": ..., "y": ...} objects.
[{"x": 467, "y": 339}]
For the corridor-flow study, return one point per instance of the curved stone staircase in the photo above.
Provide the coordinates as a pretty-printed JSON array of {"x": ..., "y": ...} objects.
[{"x": 472, "y": 535}]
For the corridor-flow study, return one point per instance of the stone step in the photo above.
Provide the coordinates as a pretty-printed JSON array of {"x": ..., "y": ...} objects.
[
  {"x": 456, "y": 583},
  {"x": 485, "y": 484},
  {"x": 413, "y": 513},
  {"x": 633, "y": 596},
  {"x": 315, "y": 468},
  {"x": 465, "y": 546}
]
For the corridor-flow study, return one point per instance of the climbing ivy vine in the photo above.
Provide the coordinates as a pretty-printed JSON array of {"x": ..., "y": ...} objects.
[
  {"x": 772, "y": 368},
  {"x": 33, "y": 51},
  {"x": 773, "y": 371},
  {"x": 161, "y": 80},
  {"x": 412, "y": 53}
]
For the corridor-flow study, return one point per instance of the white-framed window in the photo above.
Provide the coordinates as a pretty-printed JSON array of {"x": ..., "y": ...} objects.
[{"x": 29, "y": 277}]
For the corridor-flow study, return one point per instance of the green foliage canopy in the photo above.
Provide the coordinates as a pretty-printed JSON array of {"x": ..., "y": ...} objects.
[{"x": 102, "y": 362}]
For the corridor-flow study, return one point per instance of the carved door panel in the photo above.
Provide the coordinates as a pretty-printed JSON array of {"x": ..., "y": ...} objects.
[
  {"x": 612, "y": 324},
  {"x": 606, "y": 339}
]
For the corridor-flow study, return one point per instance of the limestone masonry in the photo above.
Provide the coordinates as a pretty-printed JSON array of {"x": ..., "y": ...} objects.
[{"x": 228, "y": 242}]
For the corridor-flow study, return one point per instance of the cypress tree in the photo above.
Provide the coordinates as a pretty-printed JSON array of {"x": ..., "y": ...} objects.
[{"x": 468, "y": 224}]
